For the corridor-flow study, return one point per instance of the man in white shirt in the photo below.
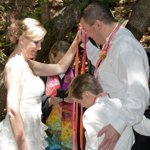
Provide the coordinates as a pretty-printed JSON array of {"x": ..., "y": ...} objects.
[{"x": 123, "y": 73}]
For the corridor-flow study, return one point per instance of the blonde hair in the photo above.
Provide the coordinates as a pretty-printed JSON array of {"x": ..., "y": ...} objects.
[
  {"x": 28, "y": 27},
  {"x": 33, "y": 29}
]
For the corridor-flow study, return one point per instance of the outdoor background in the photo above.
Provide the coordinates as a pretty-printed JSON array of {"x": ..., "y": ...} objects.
[{"x": 61, "y": 18}]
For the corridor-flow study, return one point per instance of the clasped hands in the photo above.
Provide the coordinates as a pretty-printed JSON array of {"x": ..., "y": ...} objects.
[{"x": 56, "y": 100}]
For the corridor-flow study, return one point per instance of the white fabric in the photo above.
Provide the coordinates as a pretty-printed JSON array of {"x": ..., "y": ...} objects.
[
  {"x": 143, "y": 127},
  {"x": 99, "y": 115},
  {"x": 124, "y": 74},
  {"x": 61, "y": 75},
  {"x": 30, "y": 108},
  {"x": 93, "y": 53}
]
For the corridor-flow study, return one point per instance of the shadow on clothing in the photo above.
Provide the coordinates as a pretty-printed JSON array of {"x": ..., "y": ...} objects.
[
  {"x": 142, "y": 142},
  {"x": 52, "y": 149}
]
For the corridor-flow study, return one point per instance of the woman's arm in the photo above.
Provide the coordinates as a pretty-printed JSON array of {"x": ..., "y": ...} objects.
[
  {"x": 42, "y": 69},
  {"x": 14, "y": 78}
]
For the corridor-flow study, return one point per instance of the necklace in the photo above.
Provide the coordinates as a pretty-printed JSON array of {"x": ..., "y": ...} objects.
[
  {"x": 103, "y": 52},
  {"x": 99, "y": 95}
]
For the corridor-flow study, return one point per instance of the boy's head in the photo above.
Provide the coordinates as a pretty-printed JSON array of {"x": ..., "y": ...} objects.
[
  {"x": 57, "y": 51},
  {"x": 84, "y": 89}
]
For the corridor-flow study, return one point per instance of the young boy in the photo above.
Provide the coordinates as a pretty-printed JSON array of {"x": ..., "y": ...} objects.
[{"x": 86, "y": 90}]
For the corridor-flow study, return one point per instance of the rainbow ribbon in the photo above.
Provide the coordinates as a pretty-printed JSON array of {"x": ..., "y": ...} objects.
[{"x": 75, "y": 105}]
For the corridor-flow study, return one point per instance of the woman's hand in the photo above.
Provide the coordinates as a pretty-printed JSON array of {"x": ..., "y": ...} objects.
[{"x": 82, "y": 35}]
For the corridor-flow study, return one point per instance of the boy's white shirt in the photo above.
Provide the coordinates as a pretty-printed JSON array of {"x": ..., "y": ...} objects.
[{"x": 100, "y": 115}]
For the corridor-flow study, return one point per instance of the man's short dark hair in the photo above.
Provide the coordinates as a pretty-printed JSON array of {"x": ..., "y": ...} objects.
[{"x": 97, "y": 11}]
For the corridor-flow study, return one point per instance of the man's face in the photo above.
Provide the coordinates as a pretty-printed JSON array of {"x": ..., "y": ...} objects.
[{"x": 93, "y": 31}]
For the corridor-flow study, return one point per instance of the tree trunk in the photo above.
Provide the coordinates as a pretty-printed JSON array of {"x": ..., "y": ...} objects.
[
  {"x": 140, "y": 18},
  {"x": 60, "y": 23},
  {"x": 2, "y": 93}
]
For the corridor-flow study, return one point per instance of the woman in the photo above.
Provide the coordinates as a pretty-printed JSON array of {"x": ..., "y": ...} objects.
[{"x": 22, "y": 128}]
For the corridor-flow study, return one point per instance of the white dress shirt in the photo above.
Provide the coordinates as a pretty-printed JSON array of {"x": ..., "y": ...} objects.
[
  {"x": 124, "y": 74},
  {"x": 99, "y": 115}
]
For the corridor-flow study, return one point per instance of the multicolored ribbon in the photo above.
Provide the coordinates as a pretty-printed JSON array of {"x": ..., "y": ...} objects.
[
  {"x": 105, "y": 49},
  {"x": 81, "y": 114},
  {"x": 75, "y": 105}
]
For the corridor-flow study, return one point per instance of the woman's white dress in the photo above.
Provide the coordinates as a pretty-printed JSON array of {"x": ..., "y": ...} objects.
[{"x": 30, "y": 109}]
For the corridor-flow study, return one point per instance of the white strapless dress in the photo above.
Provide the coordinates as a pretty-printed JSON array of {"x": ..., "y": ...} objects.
[{"x": 30, "y": 109}]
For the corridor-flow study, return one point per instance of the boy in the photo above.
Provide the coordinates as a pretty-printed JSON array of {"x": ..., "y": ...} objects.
[{"x": 101, "y": 110}]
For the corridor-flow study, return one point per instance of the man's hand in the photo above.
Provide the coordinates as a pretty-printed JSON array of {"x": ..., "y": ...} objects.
[
  {"x": 54, "y": 100},
  {"x": 110, "y": 139}
]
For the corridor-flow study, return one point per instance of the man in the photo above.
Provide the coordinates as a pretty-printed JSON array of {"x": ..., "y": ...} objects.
[{"x": 123, "y": 69}]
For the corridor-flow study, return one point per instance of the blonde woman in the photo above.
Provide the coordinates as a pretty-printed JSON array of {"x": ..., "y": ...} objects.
[{"x": 22, "y": 128}]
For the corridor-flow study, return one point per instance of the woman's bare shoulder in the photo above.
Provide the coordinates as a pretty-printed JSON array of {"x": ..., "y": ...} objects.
[{"x": 14, "y": 64}]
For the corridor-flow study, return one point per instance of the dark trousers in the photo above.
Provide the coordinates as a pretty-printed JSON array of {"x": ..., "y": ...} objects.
[{"x": 142, "y": 142}]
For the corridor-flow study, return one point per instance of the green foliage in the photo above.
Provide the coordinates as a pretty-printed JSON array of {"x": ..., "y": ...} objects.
[
  {"x": 33, "y": 11},
  {"x": 3, "y": 57},
  {"x": 3, "y": 27},
  {"x": 44, "y": 1},
  {"x": 2, "y": 9},
  {"x": 109, "y": 2},
  {"x": 112, "y": 2}
]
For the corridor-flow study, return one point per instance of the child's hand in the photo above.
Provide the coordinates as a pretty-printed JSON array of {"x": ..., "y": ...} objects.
[{"x": 54, "y": 100}]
